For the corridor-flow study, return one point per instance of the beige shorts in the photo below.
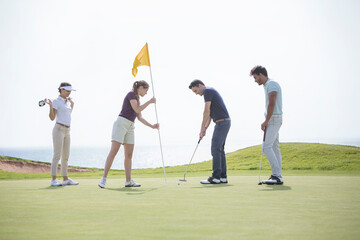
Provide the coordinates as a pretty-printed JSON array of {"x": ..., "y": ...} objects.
[{"x": 123, "y": 131}]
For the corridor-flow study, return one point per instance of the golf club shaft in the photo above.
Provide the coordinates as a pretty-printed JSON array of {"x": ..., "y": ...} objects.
[
  {"x": 262, "y": 151},
  {"x": 192, "y": 158},
  {"x": 260, "y": 163}
]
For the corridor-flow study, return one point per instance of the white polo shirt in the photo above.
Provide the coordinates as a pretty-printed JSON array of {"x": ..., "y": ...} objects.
[
  {"x": 63, "y": 111},
  {"x": 272, "y": 86}
]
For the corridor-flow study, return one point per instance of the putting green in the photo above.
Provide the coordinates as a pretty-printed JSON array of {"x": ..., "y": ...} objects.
[{"x": 311, "y": 207}]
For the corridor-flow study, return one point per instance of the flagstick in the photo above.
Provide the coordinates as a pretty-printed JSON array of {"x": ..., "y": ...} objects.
[{"x": 157, "y": 121}]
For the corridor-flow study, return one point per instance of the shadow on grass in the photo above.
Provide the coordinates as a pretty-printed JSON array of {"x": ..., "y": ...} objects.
[
  {"x": 132, "y": 191},
  {"x": 52, "y": 188},
  {"x": 213, "y": 186},
  {"x": 276, "y": 188}
]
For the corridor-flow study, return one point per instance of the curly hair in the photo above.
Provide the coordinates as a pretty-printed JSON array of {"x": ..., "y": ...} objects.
[{"x": 257, "y": 70}]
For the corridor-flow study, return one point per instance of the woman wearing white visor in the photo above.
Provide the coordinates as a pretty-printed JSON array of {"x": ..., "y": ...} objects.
[{"x": 60, "y": 109}]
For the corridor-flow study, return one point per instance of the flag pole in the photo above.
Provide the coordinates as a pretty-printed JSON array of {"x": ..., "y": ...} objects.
[{"x": 157, "y": 121}]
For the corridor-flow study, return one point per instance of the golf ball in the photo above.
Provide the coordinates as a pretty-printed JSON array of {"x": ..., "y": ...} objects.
[{"x": 178, "y": 183}]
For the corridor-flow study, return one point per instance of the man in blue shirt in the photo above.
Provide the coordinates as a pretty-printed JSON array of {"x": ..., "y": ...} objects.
[
  {"x": 272, "y": 123},
  {"x": 215, "y": 109}
]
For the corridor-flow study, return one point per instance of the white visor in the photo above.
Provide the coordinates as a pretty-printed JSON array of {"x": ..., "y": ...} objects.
[{"x": 68, "y": 88}]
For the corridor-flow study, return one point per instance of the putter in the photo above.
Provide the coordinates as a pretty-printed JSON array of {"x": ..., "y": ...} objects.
[
  {"x": 184, "y": 180},
  {"x": 262, "y": 145}
]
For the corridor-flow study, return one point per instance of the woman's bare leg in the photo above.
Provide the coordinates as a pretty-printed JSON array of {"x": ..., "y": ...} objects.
[
  {"x": 115, "y": 146},
  {"x": 129, "y": 149}
]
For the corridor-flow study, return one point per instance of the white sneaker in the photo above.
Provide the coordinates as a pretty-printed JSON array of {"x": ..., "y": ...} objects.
[
  {"x": 131, "y": 183},
  {"x": 223, "y": 180},
  {"x": 55, "y": 183},
  {"x": 210, "y": 180},
  {"x": 102, "y": 182},
  {"x": 69, "y": 182}
]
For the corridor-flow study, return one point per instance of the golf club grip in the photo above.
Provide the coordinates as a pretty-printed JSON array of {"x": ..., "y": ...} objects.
[
  {"x": 199, "y": 140},
  {"x": 264, "y": 134}
]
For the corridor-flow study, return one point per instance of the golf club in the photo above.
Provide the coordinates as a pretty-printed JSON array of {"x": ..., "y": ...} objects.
[
  {"x": 184, "y": 180},
  {"x": 262, "y": 151},
  {"x": 41, "y": 103}
]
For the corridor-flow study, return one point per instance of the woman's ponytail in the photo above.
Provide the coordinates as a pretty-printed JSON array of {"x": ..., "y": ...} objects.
[{"x": 138, "y": 84}]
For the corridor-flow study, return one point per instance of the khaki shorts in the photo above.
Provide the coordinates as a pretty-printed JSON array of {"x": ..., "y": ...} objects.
[{"x": 123, "y": 131}]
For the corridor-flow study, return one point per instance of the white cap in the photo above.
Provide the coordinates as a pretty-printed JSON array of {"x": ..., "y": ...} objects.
[{"x": 68, "y": 88}]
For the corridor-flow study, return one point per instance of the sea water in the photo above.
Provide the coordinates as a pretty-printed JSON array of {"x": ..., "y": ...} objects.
[{"x": 95, "y": 157}]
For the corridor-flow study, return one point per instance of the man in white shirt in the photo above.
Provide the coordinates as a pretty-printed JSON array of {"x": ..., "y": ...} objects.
[{"x": 272, "y": 123}]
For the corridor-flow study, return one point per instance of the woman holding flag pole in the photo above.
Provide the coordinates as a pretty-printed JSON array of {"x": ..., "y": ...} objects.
[
  {"x": 130, "y": 110},
  {"x": 123, "y": 130}
]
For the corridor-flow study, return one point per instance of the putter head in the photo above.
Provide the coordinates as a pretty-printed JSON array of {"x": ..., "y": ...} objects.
[
  {"x": 182, "y": 180},
  {"x": 260, "y": 183}
]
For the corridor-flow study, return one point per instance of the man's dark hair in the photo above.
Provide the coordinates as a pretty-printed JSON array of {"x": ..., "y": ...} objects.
[
  {"x": 195, "y": 83},
  {"x": 257, "y": 70}
]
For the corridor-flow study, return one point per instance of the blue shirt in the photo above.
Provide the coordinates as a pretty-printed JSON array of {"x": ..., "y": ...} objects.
[
  {"x": 269, "y": 87},
  {"x": 217, "y": 108}
]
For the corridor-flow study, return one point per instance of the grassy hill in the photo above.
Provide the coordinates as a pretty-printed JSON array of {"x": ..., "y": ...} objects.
[
  {"x": 302, "y": 157},
  {"x": 298, "y": 158}
]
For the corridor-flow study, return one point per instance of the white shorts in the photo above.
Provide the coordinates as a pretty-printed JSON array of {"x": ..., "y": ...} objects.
[{"x": 123, "y": 131}]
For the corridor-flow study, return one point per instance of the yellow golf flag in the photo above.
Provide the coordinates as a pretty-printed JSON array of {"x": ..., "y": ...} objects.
[{"x": 141, "y": 59}]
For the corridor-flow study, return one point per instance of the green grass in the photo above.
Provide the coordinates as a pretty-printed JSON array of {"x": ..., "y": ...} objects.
[
  {"x": 298, "y": 159},
  {"x": 319, "y": 200},
  {"x": 313, "y": 207}
]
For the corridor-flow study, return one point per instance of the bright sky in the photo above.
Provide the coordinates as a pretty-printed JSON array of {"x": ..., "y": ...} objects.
[{"x": 310, "y": 47}]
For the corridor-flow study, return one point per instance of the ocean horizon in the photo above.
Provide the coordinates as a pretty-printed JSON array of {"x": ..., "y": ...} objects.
[
  {"x": 95, "y": 157},
  {"x": 143, "y": 156}
]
